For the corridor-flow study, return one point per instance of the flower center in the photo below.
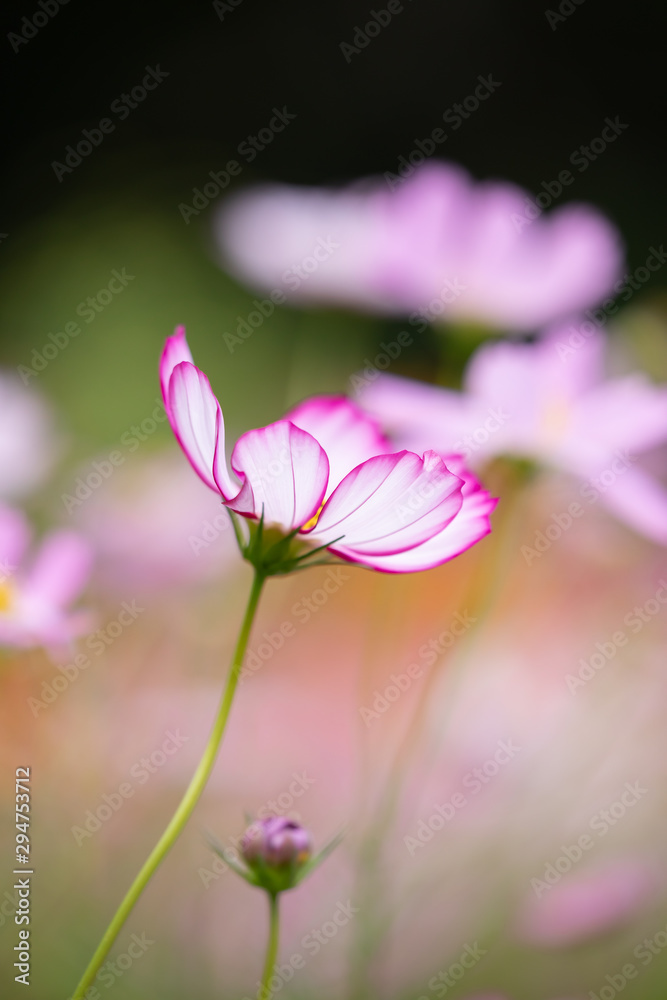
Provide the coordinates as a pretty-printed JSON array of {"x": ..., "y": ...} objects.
[
  {"x": 556, "y": 417},
  {"x": 314, "y": 519},
  {"x": 6, "y": 597}
]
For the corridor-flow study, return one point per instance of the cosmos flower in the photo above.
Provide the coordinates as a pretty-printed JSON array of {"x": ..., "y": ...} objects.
[
  {"x": 549, "y": 402},
  {"x": 324, "y": 477},
  {"x": 35, "y": 598},
  {"x": 440, "y": 247},
  {"x": 28, "y": 445}
]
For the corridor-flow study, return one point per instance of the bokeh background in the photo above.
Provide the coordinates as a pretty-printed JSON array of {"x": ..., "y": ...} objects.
[{"x": 299, "y": 714}]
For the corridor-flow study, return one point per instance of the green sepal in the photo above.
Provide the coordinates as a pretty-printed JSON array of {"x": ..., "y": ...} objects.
[
  {"x": 309, "y": 867},
  {"x": 234, "y": 864},
  {"x": 274, "y": 879},
  {"x": 274, "y": 553}
]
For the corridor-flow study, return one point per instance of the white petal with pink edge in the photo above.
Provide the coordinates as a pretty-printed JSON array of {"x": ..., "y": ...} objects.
[
  {"x": 348, "y": 435},
  {"x": 197, "y": 422},
  {"x": 175, "y": 350},
  {"x": 286, "y": 472},
  {"x": 470, "y": 525},
  {"x": 389, "y": 504}
]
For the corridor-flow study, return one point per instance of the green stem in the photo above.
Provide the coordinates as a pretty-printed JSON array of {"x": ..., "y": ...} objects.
[
  {"x": 187, "y": 803},
  {"x": 265, "y": 992}
]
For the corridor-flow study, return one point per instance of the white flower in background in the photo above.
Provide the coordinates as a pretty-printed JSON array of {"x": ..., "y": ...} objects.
[{"x": 28, "y": 443}]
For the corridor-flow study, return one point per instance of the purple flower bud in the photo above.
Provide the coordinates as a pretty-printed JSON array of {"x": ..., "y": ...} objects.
[{"x": 276, "y": 842}]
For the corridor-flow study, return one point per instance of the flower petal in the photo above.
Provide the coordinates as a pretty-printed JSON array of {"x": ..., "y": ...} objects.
[
  {"x": 30, "y": 442},
  {"x": 439, "y": 243},
  {"x": 14, "y": 538},
  {"x": 641, "y": 501},
  {"x": 286, "y": 471},
  {"x": 348, "y": 435},
  {"x": 197, "y": 422},
  {"x": 175, "y": 350},
  {"x": 389, "y": 504},
  {"x": 470, "y": 525},
  {"x": 59, "y": 572},
  {"x": 417, "y": 414},
  {"x": 628, "y": 412}
]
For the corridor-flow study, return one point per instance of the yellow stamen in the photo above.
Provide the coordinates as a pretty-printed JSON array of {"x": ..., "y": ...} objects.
[
  {"x": 314, "y": 519},
  {"x": 6, "y": 596}
]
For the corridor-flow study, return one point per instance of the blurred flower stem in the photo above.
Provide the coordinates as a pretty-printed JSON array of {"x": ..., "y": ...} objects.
[
  {"x": 187, "y": 803},
  {"x": 488, "y": 579},
  {"x": 266, "y": 992}
]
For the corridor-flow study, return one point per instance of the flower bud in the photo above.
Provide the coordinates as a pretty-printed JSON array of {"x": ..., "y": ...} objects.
[
  {"x": 277, "y": 854},
  {"x": 276, "y": 842}
]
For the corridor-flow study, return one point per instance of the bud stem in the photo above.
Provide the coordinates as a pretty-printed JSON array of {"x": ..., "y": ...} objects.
[
  {"x": 187, "y": 803},
  {"x": 265, "y": 992}
]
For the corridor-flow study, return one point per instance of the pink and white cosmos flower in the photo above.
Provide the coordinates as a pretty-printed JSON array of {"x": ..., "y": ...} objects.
[
  {"x": 439, "y": 246},
  {"x": 35, "y": 598},
  {"x": 549, "y": 402},
  {"x": 327, "y": 476}
]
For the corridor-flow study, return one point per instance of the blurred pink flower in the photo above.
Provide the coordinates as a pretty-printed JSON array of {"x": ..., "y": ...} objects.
[
  {"x": 440, "y": 246},
  {"x": 327, "y": 473},
  {"x": 34, "y": 601},
  {"x": 152, "y": 528},
  {"x": 585, "y": 904},
  {"x": 28, "y": 444},
  {"x": 549, "y": 402}
]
